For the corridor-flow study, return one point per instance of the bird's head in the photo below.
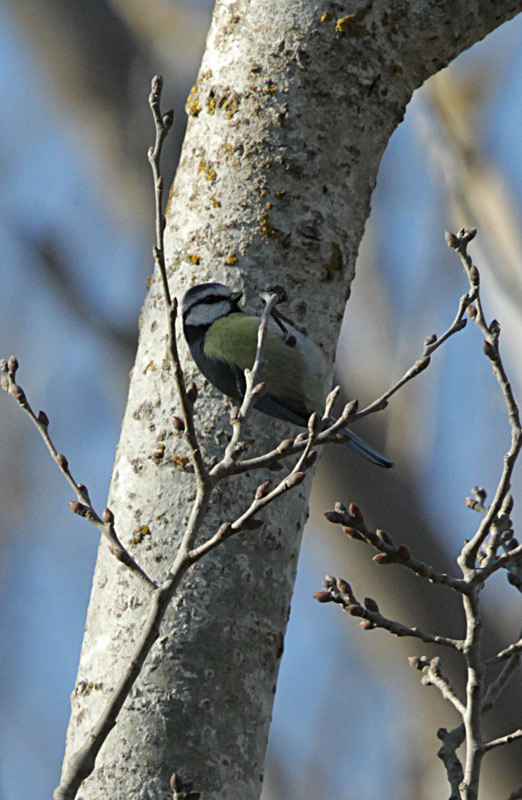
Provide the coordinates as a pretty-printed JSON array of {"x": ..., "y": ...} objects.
[{"x": 207, "y": 302}]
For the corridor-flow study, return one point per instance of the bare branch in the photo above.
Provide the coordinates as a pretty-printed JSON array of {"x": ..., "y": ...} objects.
[{"x": 82, "y": 506}]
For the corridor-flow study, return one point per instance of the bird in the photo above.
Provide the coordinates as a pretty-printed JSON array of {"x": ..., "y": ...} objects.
[{"x": 222, "y": 340}]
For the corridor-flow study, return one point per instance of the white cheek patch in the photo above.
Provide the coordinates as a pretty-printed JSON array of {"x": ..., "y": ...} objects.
[{"x": 207, "y": 313}]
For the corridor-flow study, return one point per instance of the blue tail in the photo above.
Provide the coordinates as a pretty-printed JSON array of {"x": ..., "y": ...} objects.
[{"x": 359, "y": 446}]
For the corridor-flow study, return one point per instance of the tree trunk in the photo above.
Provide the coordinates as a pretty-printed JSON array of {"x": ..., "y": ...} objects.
[{"x": 290, "y": 115}]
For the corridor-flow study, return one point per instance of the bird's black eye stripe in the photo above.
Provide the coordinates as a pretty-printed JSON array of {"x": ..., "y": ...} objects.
[{"x": 214, "y": 298}]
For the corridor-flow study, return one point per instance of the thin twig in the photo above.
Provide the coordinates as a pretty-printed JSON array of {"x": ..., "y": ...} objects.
[
  {"x": 507, "y": 739},
  {"x": 82, "y": 506}
]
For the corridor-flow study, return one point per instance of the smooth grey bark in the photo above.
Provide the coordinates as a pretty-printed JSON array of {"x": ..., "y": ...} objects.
[{"x": 293, "y": 108}]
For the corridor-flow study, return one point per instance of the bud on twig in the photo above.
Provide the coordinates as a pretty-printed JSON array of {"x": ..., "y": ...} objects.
[
  {"x": 353, "y": 533},
  {"x": 431, "y": 339},
  {"x": 259, "y": 389},
  {"x": 78, "y": 508},
  {"x": 371, "y": 605},
  {"x": 474, "y": 277},
  {"x": 225, "y": 530},
  {"x": 62, "y": 462},
  {"x": 507, "y": 505},
  {"x": 285, "y": 445},
  {"x": 19, "y": 394},
  {"x": 314, "y": 424},
  {"x": 333, "y": 516},
  {"x": 168, "y": 119},
  {"x": 403, "y": 552},
  {"x": 451, "y": 240},
  {"x": 323, "y": 597},
  {"x": 472, "y": 312},
  {"x": 384, "y": 537},
  {"x": 366, "y": 625},
  {"x": 344, "y": 587},
  {"x": 262, "y": 490},
  {"x": 108, "y": 516},
  {"x": 12, "y": 366},
  {"x": 192, "y": 393},
  {"x": 176, "y": 784},
  {"x": 178, "y": 424},
  {"x": 355, "y": 512},
  {"x": 355, "y": 610},
  {"x": 494, "y": 328},
  {"x": 421, "y": 364},
  {"x": 43, "y": 419},
  {"x": 295, "y": 479},
  {"x": 350, "y": 409},
  {"x": 381, "y": 558},
  {"x": 490, "y": 351}
]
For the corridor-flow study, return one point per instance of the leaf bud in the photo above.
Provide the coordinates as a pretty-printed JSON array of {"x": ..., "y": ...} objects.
[
  {"x": 371, "y": 605},
  {"x": 323, "y": 597},
  {"x": 472, "y": 312},
  {"x": 295, "y": 479},
  {"x": 421, "y": 364},
  {"x": 178, "y": 424},
  {"x": 314, "y": 424},
  {"x": 43, "y": 419},
  {"x": 494, "y": 327},
  {"x": 333, "y": 516},
  {"x": 431, "y": 339},
  {"x": 176, "y": 784},
  {"x": 490, "y": 351},
  {"x": 451, "y": 240},
  {"x": 19, "y": 394},
  {"x": 225, "y": 530},
  {"x": 355, "y": 512},
  {"x": 403, "y": 552},
  {"x": 192, "y": 392},
  {"x": 285, "y": 445},
  {"x": 350, "y": 408},
  {"x": 474, "y": 277},
  {"x": 355, "y": 610},
  {"x": 4, "y": 382},
  {"x": 381, "y": 558},
  {"x": 344, "y": 587},
  {"x": 354, "y": 534},
  {"x": 62, "y": 462},
  {"x": 168, "y": 119},
  {"x": 78, "y": 508},
  {"x": 384, "y": 537},
  {"x": 262, "y": 490},
  {"x": 259, "y": 389},
  {"x": 12, "y": 365},
  {"x": 3, "y": 365},
  {"x": 507, "y": 505},
  {"x": 108, "y": 516},
  {"x": 435, "y": 666},
  {"x": 366, "y": 625}
]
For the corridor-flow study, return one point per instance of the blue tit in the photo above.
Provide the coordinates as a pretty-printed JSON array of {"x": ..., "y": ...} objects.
[{"x": 223, "y": 342}]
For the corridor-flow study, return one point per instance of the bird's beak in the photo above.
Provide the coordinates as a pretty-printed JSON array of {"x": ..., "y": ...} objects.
[{"x": 236, "y": 297}]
